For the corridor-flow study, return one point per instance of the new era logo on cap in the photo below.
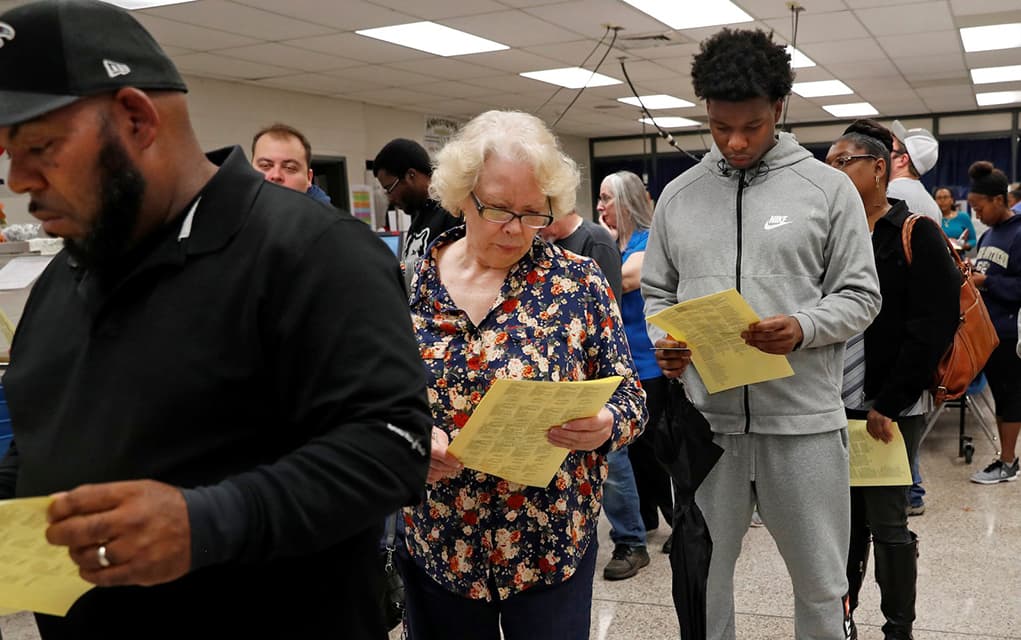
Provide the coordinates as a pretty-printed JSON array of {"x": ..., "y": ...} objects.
[
  {"x": 6, "y": 33},
  {"x": 114, "y": 69}
]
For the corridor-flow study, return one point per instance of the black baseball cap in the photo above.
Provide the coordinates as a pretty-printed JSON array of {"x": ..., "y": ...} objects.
[{"x": 54, "y": 52}]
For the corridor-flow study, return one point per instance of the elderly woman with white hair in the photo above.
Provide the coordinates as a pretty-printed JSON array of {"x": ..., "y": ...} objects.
[{"x": 493, "y": 300}]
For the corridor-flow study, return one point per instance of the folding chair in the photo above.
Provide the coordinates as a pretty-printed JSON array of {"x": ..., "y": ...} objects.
[{"x": 979, "y": 400}]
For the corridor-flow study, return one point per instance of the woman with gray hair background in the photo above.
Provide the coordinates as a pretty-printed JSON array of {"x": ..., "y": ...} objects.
[
  {"x": 493, "y": 300},
  {"x": 625, "y": 208}
]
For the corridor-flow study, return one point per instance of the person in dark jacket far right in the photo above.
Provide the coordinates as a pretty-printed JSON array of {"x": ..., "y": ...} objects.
[
  {"x": 998, "y": 276},
  {"x": 901, "y": 350}
]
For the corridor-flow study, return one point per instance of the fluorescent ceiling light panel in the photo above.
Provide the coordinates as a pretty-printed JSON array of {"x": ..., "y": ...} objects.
[
  {"x": 851, "y": 109},
  {"x": 997, "y": 97},
  {"x": 821, "y": 88},
  {"x": 691, "y": 15},
  {"x": 571, "y": 77},
  {"x": 658, "y": 101},
  {"x": 144, "y": 4},
  {"x": 989, "y": 38},
  {"x": 433, "y": 38},
  {"x": 671, "y": 122},
  {"x": 798, "y": 59},
  {"x": 989, "y": 75}
]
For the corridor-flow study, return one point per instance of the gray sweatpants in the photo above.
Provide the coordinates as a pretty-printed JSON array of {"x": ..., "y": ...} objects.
[{"x": 800, "y": 484}]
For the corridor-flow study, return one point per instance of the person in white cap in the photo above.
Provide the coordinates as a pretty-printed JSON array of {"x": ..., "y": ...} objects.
[{"x": 915, "y": 151}]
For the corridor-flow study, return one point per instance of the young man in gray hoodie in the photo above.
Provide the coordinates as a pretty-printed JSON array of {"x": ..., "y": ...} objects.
[{"x": 760, "y": 214}]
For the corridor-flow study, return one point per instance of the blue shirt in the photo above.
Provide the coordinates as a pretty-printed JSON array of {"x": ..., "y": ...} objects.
[
  {"x": 632, "y": 310},
  {"x": 955, "y": 226}
]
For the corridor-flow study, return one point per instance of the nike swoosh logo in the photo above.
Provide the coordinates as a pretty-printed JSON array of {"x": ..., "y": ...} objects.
[{"x": 774, "y": 225}]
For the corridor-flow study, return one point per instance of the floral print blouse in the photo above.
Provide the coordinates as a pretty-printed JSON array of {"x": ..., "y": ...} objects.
[{"x": 554, "y": 319}]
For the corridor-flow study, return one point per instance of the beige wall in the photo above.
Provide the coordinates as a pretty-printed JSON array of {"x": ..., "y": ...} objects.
[{"x": 226, "y": 113}]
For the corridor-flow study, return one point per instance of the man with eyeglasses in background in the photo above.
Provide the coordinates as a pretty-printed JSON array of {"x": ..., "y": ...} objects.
[
  {"x": 915, "y": 152},
  {"x": 404, "y": 170},
  {"x": 284, "y": 155}
]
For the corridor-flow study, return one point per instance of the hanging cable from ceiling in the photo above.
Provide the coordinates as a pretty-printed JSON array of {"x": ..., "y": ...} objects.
[
  {"x": 796, "y": 10},
  {"x": 609, "y": 48},
  {"x": 583, "y": 62},
  {"x": 663, "y": 133}
]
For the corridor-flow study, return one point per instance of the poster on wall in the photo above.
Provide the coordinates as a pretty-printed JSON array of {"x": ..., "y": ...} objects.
[
  {"x": 438, "y": 130},
  {"x": 361, "y": 203}
]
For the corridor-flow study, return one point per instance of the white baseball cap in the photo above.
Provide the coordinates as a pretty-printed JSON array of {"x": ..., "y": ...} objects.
[{"x": 922, "y": 147}]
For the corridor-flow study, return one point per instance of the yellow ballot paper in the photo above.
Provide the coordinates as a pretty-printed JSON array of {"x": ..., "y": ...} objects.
[
  {"x": 875, "y": 463},
  {"x": 34, "y": 575},
  {"x": 506, "y": 434},
  {"x": 712, "y": 326}
]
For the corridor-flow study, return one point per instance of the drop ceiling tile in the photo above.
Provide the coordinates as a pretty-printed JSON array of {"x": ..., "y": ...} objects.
[
  {"x": 189, "y": 36},
  {"x": 458, "y": 90},
  {"x": 240, "y": 19},
  {"x": 931, "y": 43},
  {"x": 589, "y": 17},
  {"x": 383, "y": 75},
  {"x": 225, "y": 67},
  {"x": 173, "y": 51},
  {"x": 512, "y": 28},
  {"x": 287, "y": 56},
  {"x": 821, "y": 27},
  {"x": 394, "y": 96},
  {"x": 507, "y": 83},
  {"x": 355, "y": 14},
  {"x": 952, "y": 64},
  {"x": 863, "y": 70},
  {"x": 458, "y": 68},
  {"x": 1000, "y": 58},
  {"x": 670, "y": 51},
  {"x": 961, "y": 101},
  {"x": 572, "y": 53},
  {"x": 971, "y": 7},
  {"x": 319, "y": 83},
  {"x": 516, "y": 61},
  {"x": 844, "y": 51},
  {"x": 361, "y": 48},
  {"x": 903, "y": 19},
  {"x": 465, "y": 109},
  {"x": 440, "y": 9},
  {"x": 763, "y": 9}
]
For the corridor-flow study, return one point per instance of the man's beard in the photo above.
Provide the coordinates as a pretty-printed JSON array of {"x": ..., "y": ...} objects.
[{"x": 121, "y": 187}]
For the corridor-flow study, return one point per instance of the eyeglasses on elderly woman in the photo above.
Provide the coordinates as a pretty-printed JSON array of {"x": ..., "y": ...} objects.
[{"x": 496, "y": 215}]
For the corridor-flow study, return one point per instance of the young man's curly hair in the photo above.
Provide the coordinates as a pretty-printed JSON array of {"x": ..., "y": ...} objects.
[{"x": 736, "y": 65}]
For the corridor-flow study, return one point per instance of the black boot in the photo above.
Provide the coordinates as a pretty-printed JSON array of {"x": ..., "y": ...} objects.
[
  {"x": 896, "y": 573},
  {"x": 857, "y": 561}
]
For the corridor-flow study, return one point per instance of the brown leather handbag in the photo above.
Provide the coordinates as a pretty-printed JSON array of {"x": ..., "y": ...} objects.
[{"x": 975, "y": 338}]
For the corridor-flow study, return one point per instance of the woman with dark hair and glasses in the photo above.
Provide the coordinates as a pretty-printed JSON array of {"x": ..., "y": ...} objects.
[
  {"x": 490, "y": 300},
  {"x": 901, "y": 350}
]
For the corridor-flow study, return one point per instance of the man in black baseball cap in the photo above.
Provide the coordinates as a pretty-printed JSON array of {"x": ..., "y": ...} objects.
[
  {"x": 181, "y": 378},
  {"x": 55, "y": 53}
]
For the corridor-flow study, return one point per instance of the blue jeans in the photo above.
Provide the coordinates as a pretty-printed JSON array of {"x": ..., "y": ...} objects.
[
  {"x": 916, "y": 493},
  {"x": 620, "y": 501}
]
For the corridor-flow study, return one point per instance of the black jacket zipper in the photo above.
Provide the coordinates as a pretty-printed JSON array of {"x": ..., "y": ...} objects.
[{"x": 740, "y": 193}]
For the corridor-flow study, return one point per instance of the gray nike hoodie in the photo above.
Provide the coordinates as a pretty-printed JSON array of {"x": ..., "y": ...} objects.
[{"x": 790, "y": 235}]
